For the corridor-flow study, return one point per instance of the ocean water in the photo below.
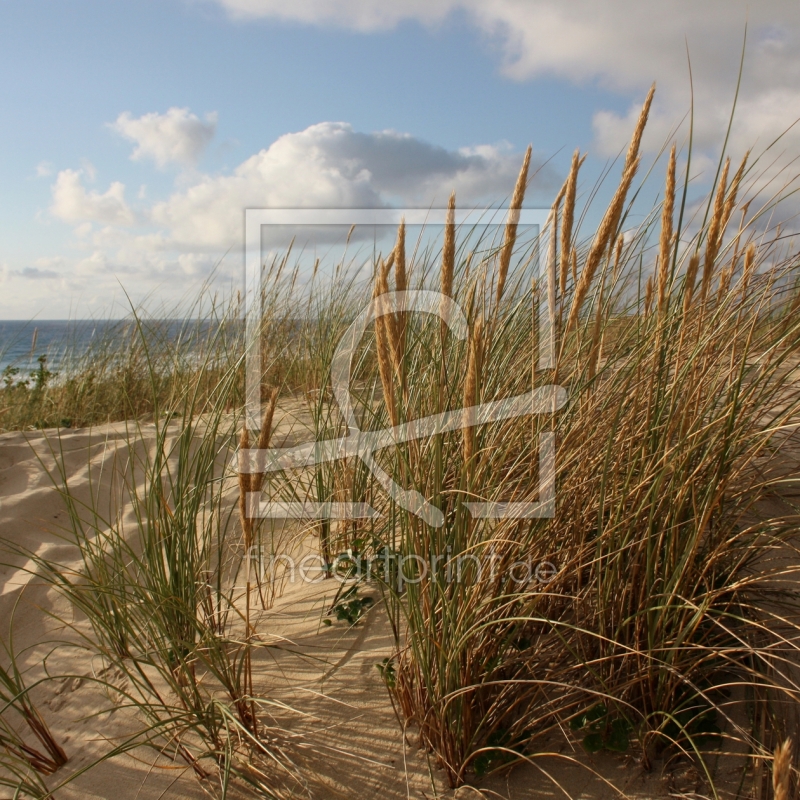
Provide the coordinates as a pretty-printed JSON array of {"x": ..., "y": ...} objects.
[{"x": 23, "y": 342}]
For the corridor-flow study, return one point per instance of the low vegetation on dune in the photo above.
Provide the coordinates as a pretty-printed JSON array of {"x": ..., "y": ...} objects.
[{"x": 619, "y": 570}]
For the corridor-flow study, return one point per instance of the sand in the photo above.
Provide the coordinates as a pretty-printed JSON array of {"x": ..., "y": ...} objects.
[{"x": 341, "y": 730}]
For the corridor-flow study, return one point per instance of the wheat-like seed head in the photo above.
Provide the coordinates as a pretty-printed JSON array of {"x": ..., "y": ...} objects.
[
  {"x": 265, "y": 434},
  {"x": 551, "y": 263},
  {"x": 564, "y": 270},
  {"x": 610, "y": 222},
  {"x": 724, "y": 281},
  {"x": 244, "y": 488},
  {"x": 606, "y": 230},
  {"x": 730, "y": 202},
  {"x": 691, "y": 277},
  {"x": 401, "y": 284},
  {"x": 636, "y": 140},
  {"x": 400, "y": 277},
  {"x": 715, "y": 232},
  {"x": 660, "y": 293},
  {"x": 510, "y": 234},
  {"x": 749, "y": 267},
  {"x": 384, "y": 335},
  {"x": 648, "y": 296},
  {"x": 737, "y": 240},
  {"x": 449, "y": 248},
  {"x": 264, "y": 437},
  {"x": 664, "y": 255},
  {"x": 782, "y": 771},
  {"x": 295, "y": 275},
  {"x": 382, "y": 266},
  {"x": 469, "y": 304},
  {"x": 390, "y": 323},
  {"x": 448, "y": 258},
  {"x": 568, "y": 217},
  {"x": 617, "y": 258}
]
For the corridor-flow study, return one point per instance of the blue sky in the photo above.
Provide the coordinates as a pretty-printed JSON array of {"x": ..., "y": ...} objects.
[{"x": 135, "y": 131}]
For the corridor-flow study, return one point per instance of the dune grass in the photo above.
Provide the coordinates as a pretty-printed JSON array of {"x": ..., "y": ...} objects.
[
  {"x": 651, "y": 610},
  {"x": 668, "y": 620},
  {"x": 669, "y": 612}
]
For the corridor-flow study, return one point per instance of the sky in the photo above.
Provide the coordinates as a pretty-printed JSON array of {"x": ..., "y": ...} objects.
[{"x": 135, "y": 132}]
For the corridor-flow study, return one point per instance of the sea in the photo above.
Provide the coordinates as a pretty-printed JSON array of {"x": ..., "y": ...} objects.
[{"x": 22, "y": 342}]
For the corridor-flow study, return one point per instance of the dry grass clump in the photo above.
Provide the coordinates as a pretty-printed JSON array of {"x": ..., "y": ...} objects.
[
  {"x": 23, "y": 765},
  {"x": 663, "y": 613}
]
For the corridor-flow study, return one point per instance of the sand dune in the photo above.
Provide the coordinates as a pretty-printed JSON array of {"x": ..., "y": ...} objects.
[{"x": 336, "y": 717}]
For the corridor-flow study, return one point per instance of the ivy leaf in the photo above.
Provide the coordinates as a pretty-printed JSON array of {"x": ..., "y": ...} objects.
[
  {"x": 593, "y": 742},
  {"x": 617, "y": 740}
]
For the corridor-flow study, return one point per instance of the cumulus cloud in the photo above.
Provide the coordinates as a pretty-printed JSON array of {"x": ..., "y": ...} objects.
[
  {"x": 622, "y": 45},
  {"x": 330, "y": 165},
  {"x": 73, "y": 203},
  {"x": 168, "y": 241},
  {"x": 175, "y": 137}
]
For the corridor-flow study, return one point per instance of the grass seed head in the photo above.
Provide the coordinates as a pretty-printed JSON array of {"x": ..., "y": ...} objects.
[
  {"x": 510, "y": 234},
  {"x": 782, "y": 771}
]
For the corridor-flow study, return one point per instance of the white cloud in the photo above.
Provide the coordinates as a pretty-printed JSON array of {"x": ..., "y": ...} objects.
[
  {"x": 44, "y": 169},
  {"x": 329, "y": 165},
  {"x": 72, "y": 203},
  {"x": 177, "y": 136},
  {"x": 176, "y": 242},
  {"x": 622, "y": 45}
]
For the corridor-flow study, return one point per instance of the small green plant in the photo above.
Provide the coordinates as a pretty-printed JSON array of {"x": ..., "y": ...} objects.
[
  {"x": 41, "y": 375},
  {"x": 387, "y": 671},
  {"x": 349, "y": 607},
  {"x": 602, "y": 730},
  {"x": 9, "y": 378},
  {"x": 694, "y": 722},
  {"x": 499, "y": 750}
]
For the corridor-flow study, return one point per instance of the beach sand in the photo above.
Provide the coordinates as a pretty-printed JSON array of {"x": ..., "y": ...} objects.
[{"x": 338, "y": 724}]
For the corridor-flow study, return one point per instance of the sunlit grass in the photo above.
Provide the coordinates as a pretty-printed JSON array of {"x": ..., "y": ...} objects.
[{"x": 663, "y": 621}]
